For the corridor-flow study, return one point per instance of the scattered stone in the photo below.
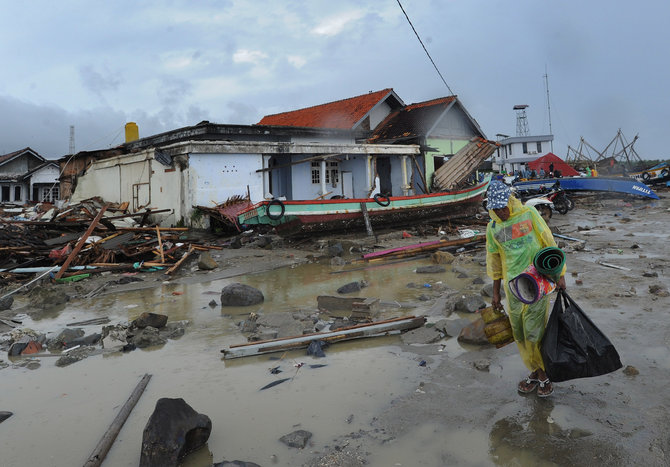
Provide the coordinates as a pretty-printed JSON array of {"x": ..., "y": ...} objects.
[
  {"x": 174, "y": 329},
  {"x": 146, "y": 319},
  {"x": 297, "y": 439},
  {"x": 6, "y": 303},
  {"x": 470, "y": 304},
  {"x": 147, "y": 337},
  {"x": 451, "y": 327},
  {"x": 91, "y": 339},
  {"x": 433, "y": 269},
  {"x": 212, "y": 303},
  {"x": 487, "y": 291},
  {"x": 206, "y": 262},
  {"x": 577, "y": 433},
  {"x": 237, "y": 294},
  {"x": 422, "y": 335},
  {"x": 75, "y": 355},
  {"x": 64, "y": 338},
  {"x": 43, "y": 298},
  {"x": 114, "y": 337},
  {"x": 478, "y": 281},
  {"x": 264, "y": 242},
  {"x": 442, "y": 257},
  {"x": 482, "y": 365},
  {"x": 650, "y": 274},
  {"x": 337, "y": 261},
  {"x": 579, "y": 282},
  {"x": 5, "y": 415},
  {"x": 659, "y": 290},
  {"x": 352, "y": 287},
  {"x": 631, "y": 371},
  {"x": 335, "y": 250},
  {"x": 460, "y": 272},
  {"x": 173, "y": 430},
  {"x": 474, "y": 334}
]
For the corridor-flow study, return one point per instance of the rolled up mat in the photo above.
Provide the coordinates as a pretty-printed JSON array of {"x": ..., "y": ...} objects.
[
  {"x": 530, "y": 286},
  {"x": 549, "y": 262}
]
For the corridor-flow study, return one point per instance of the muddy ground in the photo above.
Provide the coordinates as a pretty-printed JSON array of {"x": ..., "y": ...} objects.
[{"x": 465, "y": 410}]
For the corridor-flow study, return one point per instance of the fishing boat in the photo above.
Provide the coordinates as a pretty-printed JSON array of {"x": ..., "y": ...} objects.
[
  {"x": 306, "y": 216},
  {"x": 610, "y": 184}
]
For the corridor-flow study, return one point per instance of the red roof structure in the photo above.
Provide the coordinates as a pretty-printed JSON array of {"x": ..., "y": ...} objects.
[
  {"x": 411, "y": 121},
  {"x": 559, "y": 164},
  {"x": 344, "y": 114}
]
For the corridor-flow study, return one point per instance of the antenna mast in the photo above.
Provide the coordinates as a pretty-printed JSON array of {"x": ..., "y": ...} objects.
[
  {"x": 521, "y": 121},
  {"x": 71, "y": 139},
  {"x": 546, "y": 82}
]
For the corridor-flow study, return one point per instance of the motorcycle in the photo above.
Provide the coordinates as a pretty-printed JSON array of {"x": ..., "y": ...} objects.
[
  {"x": 562, "y": 203},
  {"x": 543, "y": 204}
]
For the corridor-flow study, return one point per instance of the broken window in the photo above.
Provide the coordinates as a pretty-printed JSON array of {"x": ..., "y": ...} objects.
[
  {"x": 5, "y": 194},
  {"x": 17, "y": 193}
]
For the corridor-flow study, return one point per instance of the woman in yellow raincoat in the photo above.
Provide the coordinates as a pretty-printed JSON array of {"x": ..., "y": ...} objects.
[{"x": 513, "y": 237}]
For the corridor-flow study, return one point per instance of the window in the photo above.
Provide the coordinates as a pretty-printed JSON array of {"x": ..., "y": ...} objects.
[
  {"x": 5, "y": 193},
  {"x": 332, "y": 172},
  {"x": 525, "y": 148},
  {"x": 50, "y": 194},
  {"x": 539, "y": 147},
  {"x": 17, "y": 193}
]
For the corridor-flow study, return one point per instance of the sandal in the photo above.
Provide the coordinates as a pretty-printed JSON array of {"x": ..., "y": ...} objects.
[
  {"x": 546, "y": 389},
  {"x": 528, "y": 385}
]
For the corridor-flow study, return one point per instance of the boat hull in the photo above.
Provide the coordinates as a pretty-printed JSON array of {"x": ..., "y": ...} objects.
[
  {"x": 609, "y": 184},
  {"x": 307, "y": 216}
]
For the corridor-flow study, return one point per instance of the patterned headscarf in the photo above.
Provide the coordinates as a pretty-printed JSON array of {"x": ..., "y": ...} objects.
[{"x": 498, "y": 195}]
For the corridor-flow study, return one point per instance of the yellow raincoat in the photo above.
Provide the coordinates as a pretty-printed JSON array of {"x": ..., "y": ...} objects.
[{"x": 511, "y": 246}]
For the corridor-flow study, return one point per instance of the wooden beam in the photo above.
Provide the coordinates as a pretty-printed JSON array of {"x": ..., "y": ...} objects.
[{"x": 81, "y": 242}]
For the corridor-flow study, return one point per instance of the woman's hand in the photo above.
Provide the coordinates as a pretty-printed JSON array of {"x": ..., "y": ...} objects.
[
  {"x": 561, "y": 283},
  {"x": 496, "y": 302}
]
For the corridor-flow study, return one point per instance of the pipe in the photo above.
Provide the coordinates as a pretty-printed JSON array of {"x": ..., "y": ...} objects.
[
  {"x": 405, "y": 185},
  {"x": 323, "y": 177}
]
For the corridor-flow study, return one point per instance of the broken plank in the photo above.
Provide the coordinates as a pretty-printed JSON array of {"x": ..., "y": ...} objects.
[
  {"x": 376, "y": 329},
  {"x": 181, "y": 260},
  {"x": 81, "y": 242}
]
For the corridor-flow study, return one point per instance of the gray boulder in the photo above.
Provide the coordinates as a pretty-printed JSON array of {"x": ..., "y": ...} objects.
[
  {"x": 470, "y": 304},
  {"x": 147, "y": 337},
  {"x": 154, "y": 320},
  {"x": 237, "y": 294},
  {"x": 173, "y": 430},
  {"x": 6, "y": 303},
  {"x": 297, "y": 439},
  {"x": 206, "y": 262},
  {"x": 474, "y": 333},
  {"x": 352, "y": 287},
  {"x": 5, "y": 415},
  {"x": 64, "y": 339}
]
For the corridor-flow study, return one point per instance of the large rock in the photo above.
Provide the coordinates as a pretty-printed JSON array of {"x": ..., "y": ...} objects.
[
  {"x": 47, "y": 297},
  {"x": 352, "y": 287},
  {"x": 442, "y": 257},
  {"x": 147, "y": 337},
  {"x": 470, "y": 304},
  {"x": 474, "y": 333},
  {"x": 64, "y": 339},
  {"x": 6, "y": 303},
  {"x": 173, "y": 430},
  {"x": 206, "y": 262},
  {"x": 154, "y": 320},
  {"x": 432, "y": 269},
  {"x": 237, "y": 294},
  {"x": 297, "y": 439},
  {"x": 4, "y": 416}
]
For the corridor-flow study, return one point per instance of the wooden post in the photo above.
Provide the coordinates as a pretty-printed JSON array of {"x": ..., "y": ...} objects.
[
  {"x": 160, "y": 244},
  {"x": 81, "y": 242},
  {"x": 107, "y": 440},
  {"x": 366, "y": 217}
]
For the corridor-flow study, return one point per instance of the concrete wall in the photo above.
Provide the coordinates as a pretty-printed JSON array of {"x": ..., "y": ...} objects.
[{"x": 213, "y": 178}]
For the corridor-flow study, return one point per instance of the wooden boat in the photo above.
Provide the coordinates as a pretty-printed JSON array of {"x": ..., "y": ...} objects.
[
  {"x": 305, "y": 216},
  {"x": 610, "y": 184}
]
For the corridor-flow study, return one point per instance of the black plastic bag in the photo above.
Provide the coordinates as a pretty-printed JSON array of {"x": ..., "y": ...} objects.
[{"x": 573, "y": 347}]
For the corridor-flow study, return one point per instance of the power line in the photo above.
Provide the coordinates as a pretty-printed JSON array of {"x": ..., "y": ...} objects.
[{"x": 424, "y": 48}]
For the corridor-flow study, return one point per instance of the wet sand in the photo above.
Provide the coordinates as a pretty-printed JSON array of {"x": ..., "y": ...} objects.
[{"x": 374, "y": 404}]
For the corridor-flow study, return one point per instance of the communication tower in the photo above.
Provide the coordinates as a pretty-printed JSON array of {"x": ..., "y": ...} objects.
[{"x": 521, "y": 121}]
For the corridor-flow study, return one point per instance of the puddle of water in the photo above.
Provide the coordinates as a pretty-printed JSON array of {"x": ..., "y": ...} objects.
[{"x": 60, "y": 414}]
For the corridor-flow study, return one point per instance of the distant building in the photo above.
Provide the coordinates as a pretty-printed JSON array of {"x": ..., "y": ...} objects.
[
  {"x": 25, "y": 177},
  {"x": 517, "y": 150}
]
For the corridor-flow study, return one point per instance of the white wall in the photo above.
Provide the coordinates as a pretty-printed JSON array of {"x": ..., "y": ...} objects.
[{"x": 213, "y": 178}]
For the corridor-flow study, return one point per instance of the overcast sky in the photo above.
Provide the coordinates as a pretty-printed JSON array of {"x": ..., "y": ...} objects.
[{"x": 168, "y": 64}]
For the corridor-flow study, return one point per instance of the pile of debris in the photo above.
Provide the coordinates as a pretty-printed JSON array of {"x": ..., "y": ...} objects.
[{"x": 88, "y": 237}]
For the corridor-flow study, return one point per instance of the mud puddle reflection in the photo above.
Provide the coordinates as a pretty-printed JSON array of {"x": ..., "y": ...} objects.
[{"x": 60, "y": 414}]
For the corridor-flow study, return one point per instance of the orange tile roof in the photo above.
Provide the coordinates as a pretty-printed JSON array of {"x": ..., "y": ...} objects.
[{"x": 342, "y": 114}]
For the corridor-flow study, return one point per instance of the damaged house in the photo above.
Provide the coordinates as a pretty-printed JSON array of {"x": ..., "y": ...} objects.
[
  {"x": 353, "y": 148},
  {"x": 25, "y": 177}
]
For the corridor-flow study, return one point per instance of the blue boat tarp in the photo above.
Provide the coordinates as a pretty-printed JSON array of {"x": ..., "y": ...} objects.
[{"x": 615, "y": 184}]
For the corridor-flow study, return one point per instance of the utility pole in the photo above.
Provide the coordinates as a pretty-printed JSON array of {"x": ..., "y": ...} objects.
[{"x": 546, "y": 82}]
